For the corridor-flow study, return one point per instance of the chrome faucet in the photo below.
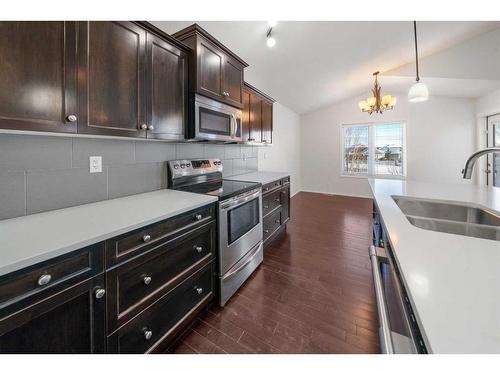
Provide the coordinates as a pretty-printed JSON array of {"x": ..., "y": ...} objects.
[{"x": 469, "y": 164}]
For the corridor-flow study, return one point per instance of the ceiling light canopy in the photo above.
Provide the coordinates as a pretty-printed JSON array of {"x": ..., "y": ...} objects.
[
  {"x": 418, "y": 92},
  {"x": 377, "y": 103},
  {"x": 270, "y": 40}
]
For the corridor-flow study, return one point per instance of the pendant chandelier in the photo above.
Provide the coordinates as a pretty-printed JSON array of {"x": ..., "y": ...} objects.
[
  {"x": 418, "y": 92},
  {"x": 377, "y": 103}
]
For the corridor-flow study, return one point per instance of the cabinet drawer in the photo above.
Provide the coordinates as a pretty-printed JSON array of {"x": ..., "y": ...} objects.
[
  {"x": 270, "y": 202},
  {"x": 51, "y": 276},
  {"x": 130, "y": 244},
  {"x": 270, "y": 186},
  {"x": 137, "y": 283},
  {"x": 285, "y": 180},
  {"x": 162, "y": 321},
  {"x": 271, "y": 223}
]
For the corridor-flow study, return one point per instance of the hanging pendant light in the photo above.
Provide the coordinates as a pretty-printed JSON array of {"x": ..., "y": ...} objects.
[{"x": 418, "y": 92}]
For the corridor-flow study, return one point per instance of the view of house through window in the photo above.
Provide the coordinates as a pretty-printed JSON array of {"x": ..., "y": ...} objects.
[{"x": 374, "y": 149}]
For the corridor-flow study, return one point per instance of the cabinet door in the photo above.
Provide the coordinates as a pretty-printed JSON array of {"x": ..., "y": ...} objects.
[
  {"x": 72, "y": 321},
  {"x": 111, "y": 78},
  {"x": 166, "y": 89},
  {"x": 210, "y": 65},
  {"x": 245, "y": 118},
  {"x": 233, "y": 82},
  {"x": 267, "y": 122},
  {"x": 38, "y": 76},
  {"x": 285, "y": 204},
  {"x": 255, "y": 118}
]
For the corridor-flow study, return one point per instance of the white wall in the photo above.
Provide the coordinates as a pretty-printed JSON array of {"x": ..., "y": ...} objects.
[
  {"x": 284, "y": 155},
  {"x": 440, "y": 135}
]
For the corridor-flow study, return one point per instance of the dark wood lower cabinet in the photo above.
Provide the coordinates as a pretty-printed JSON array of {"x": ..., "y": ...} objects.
[
  {"x": 72, "y": 321},
  {"x": 275, "y": 209},
  {"x": 137, "y": 304}
]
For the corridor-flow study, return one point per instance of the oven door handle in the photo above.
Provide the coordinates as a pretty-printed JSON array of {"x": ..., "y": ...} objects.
[
  {"x": 238, "y": 201},
  {"x": 245, "y": 260},
  {"x": 386, "y": 343}
]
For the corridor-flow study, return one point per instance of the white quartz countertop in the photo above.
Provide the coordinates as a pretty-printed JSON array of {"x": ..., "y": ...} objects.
[
  {"x": 453, "y": 281},
  {"x": 262, "y": 177},
  {"x": 31, "y": 239}
]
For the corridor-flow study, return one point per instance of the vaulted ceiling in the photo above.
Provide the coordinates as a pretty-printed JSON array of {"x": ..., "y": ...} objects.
[{"x": 314, "y": 64}]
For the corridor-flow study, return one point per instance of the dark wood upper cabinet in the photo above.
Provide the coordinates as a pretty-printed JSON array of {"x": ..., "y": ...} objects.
[
  {"x": 209, "y": 74},
  {"x": 72, "y": 321},
  {"x": 38, "y": 76},
  {"x": 267, "y": 121},
  {"x": 245, "y": 117},
  {"x": 215, "y": 71},
  {"x": 255, "y": 118},
  {"x": 167, "y": 78},
  {"x": 259, "y": 107},
  {"x": 111, "y": 78},
  {"x": 233, "y": 81}
]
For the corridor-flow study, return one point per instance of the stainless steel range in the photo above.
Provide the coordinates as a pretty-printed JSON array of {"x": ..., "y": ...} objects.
[{"x": 239, "y": 218}]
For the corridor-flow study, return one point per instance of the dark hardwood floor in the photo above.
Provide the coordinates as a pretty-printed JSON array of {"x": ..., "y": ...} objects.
[{"x": 312, "y": 294}]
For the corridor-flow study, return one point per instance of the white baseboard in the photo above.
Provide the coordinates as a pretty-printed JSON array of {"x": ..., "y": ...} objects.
[{"x": 333, "y": 193}]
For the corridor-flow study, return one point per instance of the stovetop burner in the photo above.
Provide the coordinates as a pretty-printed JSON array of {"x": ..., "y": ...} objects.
[{"x": 204, "y": 176}]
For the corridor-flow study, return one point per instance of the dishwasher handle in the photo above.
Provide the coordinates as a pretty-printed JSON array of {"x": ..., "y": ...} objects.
[{"x": 386, "y": 343}]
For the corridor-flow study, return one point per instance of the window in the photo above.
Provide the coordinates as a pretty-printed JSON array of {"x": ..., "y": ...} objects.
[{"x": 374, "y": 149}]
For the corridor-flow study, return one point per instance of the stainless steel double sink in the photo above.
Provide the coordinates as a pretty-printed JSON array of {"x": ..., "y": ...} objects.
[{"x": 451, "y": 217}]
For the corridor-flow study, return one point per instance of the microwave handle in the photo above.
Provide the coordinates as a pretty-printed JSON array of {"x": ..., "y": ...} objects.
[
  {"x": 387, "y": 346},
  {"x": 234, "y": 126}
]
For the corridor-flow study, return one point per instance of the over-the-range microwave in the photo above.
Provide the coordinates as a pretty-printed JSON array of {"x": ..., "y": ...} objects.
[{"x": 214, "y": 121}]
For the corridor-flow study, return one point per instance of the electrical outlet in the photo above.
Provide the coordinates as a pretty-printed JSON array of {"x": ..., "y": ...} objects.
[
  {"x": 95, "y": 164},
  {"x": 265, "y": 155}
]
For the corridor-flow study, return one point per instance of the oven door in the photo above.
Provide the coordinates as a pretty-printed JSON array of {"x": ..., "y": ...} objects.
[
  {"x": 215, "y": 121},
  {"x": 240, "y": 227}
]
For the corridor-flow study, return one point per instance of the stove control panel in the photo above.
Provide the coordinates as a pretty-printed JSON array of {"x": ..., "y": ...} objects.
[{"x": 181, "y": 168}]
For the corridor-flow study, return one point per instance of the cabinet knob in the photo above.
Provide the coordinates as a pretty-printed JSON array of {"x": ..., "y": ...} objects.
[
  {"x": 266, "y": 230},
  {"x": 144, "y": 126},
  {"x": 198, "y": 249},
  {"x": 99, "y": 293},
  {"x": 44, "y": 279},
  {"x": 147, "y": 280},
  {"x": 266, "y": 207},
  {"x": 151, "y": 127},
  {"x": 71, "y": 118},
  {"x": 277, "y": 200},
  {"x": 277, "y": 221},
  {"x": 198, "y": 217},
  {"x": 147, "y": 334},
  {"x": 198, "y": 290},
  {"x": 146, "y": 238}
]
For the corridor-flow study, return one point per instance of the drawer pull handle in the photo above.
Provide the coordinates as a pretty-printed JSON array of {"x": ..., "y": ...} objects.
[
  {"x": 99, "y": 293},
  {"x": 198, "y": 217},
  {"x": 198, "y": 290},
  {"x": 266, "y": 207},
  {"x": 146, "y": 238},
  {"x": 198, "y": 249},
  {"x": 147, "y": 280},
  {"x": 44, "y": 279},
  {"x": 266, "y": 230},
  {"x": 277, "y": 221},
  {"x": 147, "y": 334},
  {"x": 277, "y": 200}
]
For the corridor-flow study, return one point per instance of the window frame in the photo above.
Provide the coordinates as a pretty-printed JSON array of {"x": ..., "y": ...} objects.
[{"x": 371, "y": 141}]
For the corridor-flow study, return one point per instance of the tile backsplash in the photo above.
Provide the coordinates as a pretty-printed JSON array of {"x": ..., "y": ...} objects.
[{"x": 42, "y": 173}]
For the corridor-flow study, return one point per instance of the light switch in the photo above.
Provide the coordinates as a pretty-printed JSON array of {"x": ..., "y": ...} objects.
[{"x": 95, "y": 164}]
